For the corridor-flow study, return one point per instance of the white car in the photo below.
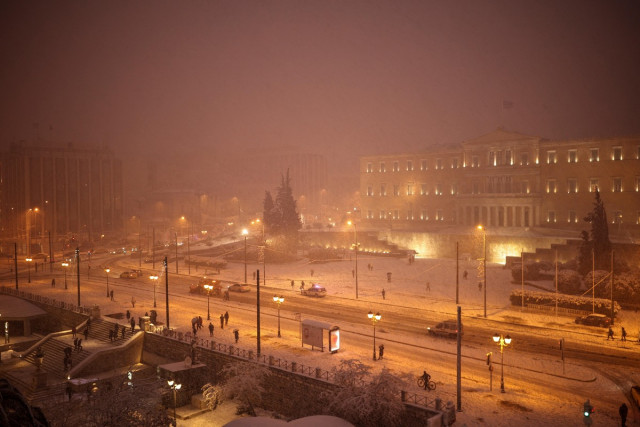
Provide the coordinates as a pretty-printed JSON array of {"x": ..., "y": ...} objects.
[{"x": 315, "y": 291}]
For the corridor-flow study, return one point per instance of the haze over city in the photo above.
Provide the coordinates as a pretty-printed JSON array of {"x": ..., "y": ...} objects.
[{"x": 190, "y": 82}]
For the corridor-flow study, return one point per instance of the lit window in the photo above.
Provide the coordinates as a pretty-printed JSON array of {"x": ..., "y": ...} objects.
[
  {"x": 438, "y": 164},
  {"x": 396, "y": 167},
  {"x": 409, "y": 165},
  {"x": 638, "y": 218},
  {"x": 617, "y": 217},
  {"x": 454, "y": 164},
  {"x": 573, "y": 156},
  {"x": 525, "y": 187},
  {"x": 617, "y": 185},
  {"x": 551, "y": 157},
  {"x": 423, "y": 190},
  {"x": 423, "y": 165},
  {"x": 594, "y": 155},
  {"x": 617, "y": 153},
  {"x": 370, "y": 214},
  {"x": 383, "y": 215},
  {"x": 573, "y": 218},
  {"x": 423, "y": 215},
  {"x": 475, "y": 188},
  {"x": 508, "y": 157},
  {"x": 551, "y": 186},
  {"x": 396, "y": 214},
  {"x": 492, "y": 158},
  {"x": 383, "y": 168},
  {"x": 572, "y": 186},
  {"x": 396, "y": 190},
  {"x": 454, "y": 188},
  {"x": 524, "y": 159},
  {"x": 637, "y": 183},
  {"x": 369, "y": 191},
  {"x": 439, "y": 215},
  {"x": 438, "y": 189},
  {"x": 410, "y": 190},
  {"x": 475, "y": 162},
  {"x": 369, "y": 167},
  {"x": 551, "y": 216},
  {"x": 594, "y": 183},
  {"x": 409, "y": 215},
  {"x": 383, "y": 189}
]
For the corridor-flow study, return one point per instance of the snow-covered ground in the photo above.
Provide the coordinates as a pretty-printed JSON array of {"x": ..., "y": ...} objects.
[{"x": 531, "y": 398}]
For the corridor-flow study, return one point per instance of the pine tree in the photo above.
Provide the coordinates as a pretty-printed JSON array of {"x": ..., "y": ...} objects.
[
  {"x": 598, "y": 240},
  {"x": 281, "y": 217},
  {"x": 269, "y": 213}
]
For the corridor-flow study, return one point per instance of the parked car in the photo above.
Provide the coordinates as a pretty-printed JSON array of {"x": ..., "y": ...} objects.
[
  {"x": 128, "y": 275},
  {"x": 448, "y": 328},
  {"x": 635, "y": 394},
  {"x": 238, "y": 287},
  {"x": 198, "y": 288},
  {"x": 594, "y": 319},
  {"x": 315, "y": 290}
]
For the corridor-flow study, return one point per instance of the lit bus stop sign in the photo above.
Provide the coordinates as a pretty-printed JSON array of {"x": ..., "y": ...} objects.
[{"x": 313, "y": 334}]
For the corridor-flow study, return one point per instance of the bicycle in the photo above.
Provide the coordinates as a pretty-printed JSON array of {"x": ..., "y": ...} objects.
[{"x": 430, "y": 386}]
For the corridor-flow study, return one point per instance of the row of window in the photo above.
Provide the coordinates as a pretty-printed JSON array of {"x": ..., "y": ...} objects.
[
  {"x": 504, "y": 157},
  {"x": 572, "y": 217},
  {"x": 501, "y": 184}
]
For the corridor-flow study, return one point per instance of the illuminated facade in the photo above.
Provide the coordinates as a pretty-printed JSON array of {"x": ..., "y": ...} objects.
[
  {"x": 505, "y": 179},
  {"x": 59, "y": 189}
]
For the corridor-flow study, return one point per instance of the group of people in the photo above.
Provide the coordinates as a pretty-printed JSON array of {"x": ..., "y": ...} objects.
[
  {"x": 118, "y": 330},
  {"x": 623, "y": 335}
]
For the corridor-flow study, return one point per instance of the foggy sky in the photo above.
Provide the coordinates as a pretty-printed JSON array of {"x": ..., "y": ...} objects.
[{"x": 337, "y": 77}]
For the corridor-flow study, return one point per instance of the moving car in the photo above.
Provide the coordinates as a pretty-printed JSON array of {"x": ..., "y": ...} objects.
[
  {"x": 594, "y": 319},
  {"x": 315, "y": 290},
  {"x": 448, "y": 328},
  {"x": 238, "y": 287},
  {"x": 128, "y": 275},
  {"x": 198, "y": 288}
]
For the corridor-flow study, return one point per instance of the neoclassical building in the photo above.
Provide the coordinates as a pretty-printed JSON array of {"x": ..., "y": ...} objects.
[{"x": 505, "y": 179}]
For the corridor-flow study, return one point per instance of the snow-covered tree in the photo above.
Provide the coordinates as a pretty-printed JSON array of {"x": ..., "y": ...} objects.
[
  {"x": 365, "y": 399},
  {"x": 281, "y": 217},
  {"x": 595, "y": 245}
]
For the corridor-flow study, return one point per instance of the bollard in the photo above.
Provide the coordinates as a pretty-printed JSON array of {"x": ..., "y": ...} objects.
[
  {"x": 294, "y": 366},
  {"x": 250, "y": 354},
  {"x": 318, "y": 372},
  {"x": 270, "y": 360},
  {"x": 438, "y": 404},
  {"x": 230, "y": 349}
]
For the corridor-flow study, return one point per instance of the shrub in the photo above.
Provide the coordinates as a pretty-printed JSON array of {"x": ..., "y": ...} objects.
[{"x": 569, "y": 281}]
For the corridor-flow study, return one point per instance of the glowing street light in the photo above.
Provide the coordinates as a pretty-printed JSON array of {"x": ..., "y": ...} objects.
[
  {"x": 245, "y": 232},
  {"x": 502, "y": 342},
  {"x": 278, "y": 300},
  {"x": 65, "y": 265},
  {"x": 208, "y": 287},
  {"x": 107, "y": 270},
  {"x": 154, "y": 278},
  {"x": 174, "y": 386},
  {"x": 355, "y": 232},
  {"x": 28, "y": 260},
  {"x": 374, "y": 319},
  {"x": 484, "y": 265}
]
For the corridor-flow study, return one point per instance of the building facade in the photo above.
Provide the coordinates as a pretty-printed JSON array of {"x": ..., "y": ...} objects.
[
  {"x": 59, "y": 190},
  {"x": 507, "y": 180}
]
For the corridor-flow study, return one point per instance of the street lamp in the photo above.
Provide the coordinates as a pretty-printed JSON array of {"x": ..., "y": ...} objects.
[
  {"x": 154, "y": 278},
  {"x": 174, "y": 386},
  {"x": 245, "y": 232},
  {"x": 374, "y": 319},
  {"x": 182, "y": 218},
  {"x": 264, "y": 252},
  {"x": 278, "y": 300},
  {"x": 107, "y": 270},
  {"x": 29, "y": 268},
  {"x": 484, "y": 265},
  {"x": 208, "y": 287},
  {"x": 355, "y": 233},
  {"x": 502, "y": 342},
  {"x": 65, "y": 265}
]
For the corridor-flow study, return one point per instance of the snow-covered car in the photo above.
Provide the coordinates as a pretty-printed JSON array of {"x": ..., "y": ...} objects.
[
  {"x": 315, "y": 290},
  {"x": 594, "y": 319},
  {"x": 448, "y": 328},
  {"x": 238, "y": 287}
]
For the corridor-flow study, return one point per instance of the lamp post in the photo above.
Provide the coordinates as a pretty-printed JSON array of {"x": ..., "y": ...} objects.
[
  {"x": 182, "y": 218},
  {"x": 65, "y": 265},
  {"x": 28, "y": 260},
  {"x": 264, "y": 251},
  {"x": 107, "y": 270},
  {"x": 208, "y": 288},
  {"x": 502, "y": 341},
  {"x": 245, "y": 232},
  {"x": 154, "y": 278},
  {"x": 484, "y": 265},
  {"x": 278, "y": 300},
  {"x": 374, "y": 319},
  {"x": 174, "y": 386},
  {"x": 355, "y": 233}
]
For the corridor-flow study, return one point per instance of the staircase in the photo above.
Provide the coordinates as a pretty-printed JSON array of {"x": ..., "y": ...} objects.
[
  {"x": 99, "y": 330},
  {"x": 53, "y": 361}
]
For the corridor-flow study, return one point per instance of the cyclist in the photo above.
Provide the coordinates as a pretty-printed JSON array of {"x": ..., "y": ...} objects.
[{"x": 426, "y": 377}]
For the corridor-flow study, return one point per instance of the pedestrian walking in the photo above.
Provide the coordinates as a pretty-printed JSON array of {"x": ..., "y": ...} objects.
[
  {"x": 128, "y": 315},
  {"x": 222, "y": 321},
  {"x": 199, "y": 322},
  {"x": 86, "y": 333},
  {"x": 292, "y": 285},
  {"x": 73, "y": 331},
  {"x": 302, "y": 284},
  {"x": 465, "y": 274},
  {"x": 226, "y": 318},
  {"x": 380, "y": 351},
  {"x": 111, "y": 294},
  {"x": 80, "y": 344},
  {"x": 383, "y": 293},
  {"x": 115, "y": 331},
  {"x": 122, "y": 331},
  {"x": 69, "y": 390},
  {"x": 254, "y": 275},
  {"x": 624, "y": 410},
  {"x": 623, "y": 334},
  {"x": 53, "y": 283},
  {"x": 75, "y": 344},
  {"x": 428, "y": 287},
  {"x": 110, "y": 335},
  {"x": 210, "y": 329},
  {"x": 133, "y": 325},
  {"x": 236, "y": 335},
  {"x": 610, "y": 334}
]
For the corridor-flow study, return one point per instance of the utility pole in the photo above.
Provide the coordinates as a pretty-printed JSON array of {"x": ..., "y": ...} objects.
[
  {"x": 459, "y": 361},
  {"x": 457, "y": 271},
  {"x": 78, "y": 272},
  {"x": 15, "y": 261},
  {"x": 166, "y": 290},
  {"x": 258, "y": 309}
]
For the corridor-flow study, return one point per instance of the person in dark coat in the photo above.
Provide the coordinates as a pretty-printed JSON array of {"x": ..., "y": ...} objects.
[
  {"x": 111, "y": 293},
  {"x": 610, "y": 334},
  {"x": 222, "y": 321},
  {"x": 226, "y": 317},
  {"x": 73, "y": 331},
  {"x": 110, "y": 335},
  {"x": 210, "y": 329},
  {"x": 122, "y": 331},
  {"x": 624, "y": 410},
  {"x": 623, "y": 335},
  {"x": 69, "y": 390},
  {"x": 380, "y": 351},
  {"x": 236, "y": 335},
  {"x": 80, "y": 344},
  {"x": 86, "y": 333},
  {"x": 133, "y": 325},
  {"x": 128, "y": 314},
  {"x": 75, "y": 344}
]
